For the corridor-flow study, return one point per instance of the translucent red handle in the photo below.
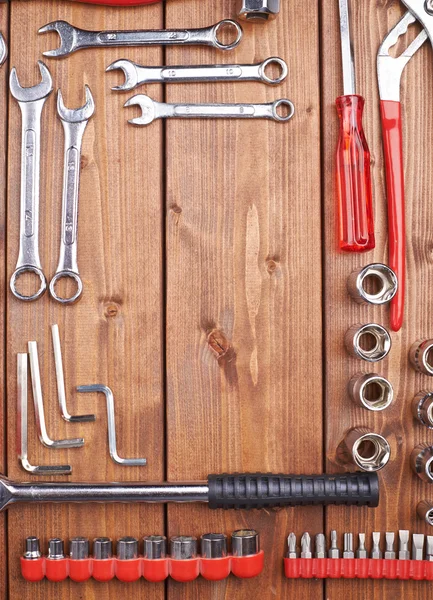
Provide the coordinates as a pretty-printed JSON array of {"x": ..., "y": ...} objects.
[{"x": 355, "y": 205}]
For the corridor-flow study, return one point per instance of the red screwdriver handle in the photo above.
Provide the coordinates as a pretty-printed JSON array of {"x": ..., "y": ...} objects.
[
  {"x": 355, "y": 205},
  {"x": 119, "y": 2},
  {"x": 393, "y": 150}
]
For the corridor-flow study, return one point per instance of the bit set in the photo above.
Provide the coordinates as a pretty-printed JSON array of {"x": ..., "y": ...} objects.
[
  {"x": 183, "y": 564},
  {"x": 350, "y": 564}
]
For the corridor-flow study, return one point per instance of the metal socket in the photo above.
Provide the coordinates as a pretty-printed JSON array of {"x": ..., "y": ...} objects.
[
  {"x": 56, "y": 550},
  {"x": 422, "y": 408},
  {"x": 183, "y": 547},
  {"x": 78, "y": 548},
  {"x": 421, "y": 461},
  {"x": 356, "y": 339},
  {"x": 421, "y": 356},
  {"x": 213, "y": 545},
  {"x": 425, "y": 511},
  {"x": 127, "y": 548},
  {"x": 245, "y": 542},
  {"x": 33, "y": 549},
  {"x": 362, "y": 389},
  {"x": 369, "y": 451},
  {"x": 102, "y": 548},
  {"x": 258, "y": 11},
  {"x": 154, "y": 546},
  {"x": 357, "y": 284}
]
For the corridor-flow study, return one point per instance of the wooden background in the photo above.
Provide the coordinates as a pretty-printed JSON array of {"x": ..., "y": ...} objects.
[{"x": 215, "y": 303}]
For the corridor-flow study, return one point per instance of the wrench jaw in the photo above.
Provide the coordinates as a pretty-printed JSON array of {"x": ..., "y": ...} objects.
[
  {"x": 147, "y": 106},
  {"x": 3, "y": 50},
  {"x": 28, "y": 269},
  {"x": 76, "y": 115},
  {"x": 130, "y": 72},
  {"x": 6, "y": 493},
  {"x": 227, "y": 24},
  {"x": 61, "y": 275},
  {"x": 68, "y": 38},
  {"x": 34, "y": 93}
]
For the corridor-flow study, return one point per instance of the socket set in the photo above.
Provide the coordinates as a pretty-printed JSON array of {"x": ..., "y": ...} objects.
[
  {"x": 349, "y": 564},
  {"x": 183, "y": 564}
]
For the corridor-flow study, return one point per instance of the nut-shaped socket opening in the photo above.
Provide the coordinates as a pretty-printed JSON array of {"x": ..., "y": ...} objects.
[
  {"x": 371, "y": 452},
  {"x": 370, "y": 342},
  {"x": 371, "y": 391},
  {"x": 421, "y": 356},
  {"x": 374, "y": 284}
]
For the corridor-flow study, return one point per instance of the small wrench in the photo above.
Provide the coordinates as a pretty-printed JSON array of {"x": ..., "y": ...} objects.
[
  {"x": 74, "y": 123},
  {"x": 152, "y": 110},
  {"x": 31, "y": 101},
  {"x": 72, "y": 38},
  {"x": 136, "y": 75}
]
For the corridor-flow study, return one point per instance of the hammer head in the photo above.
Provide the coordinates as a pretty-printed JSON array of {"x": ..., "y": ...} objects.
[
  {"x": 258, "y": 10},
  {"x": 6, "y": 492}
]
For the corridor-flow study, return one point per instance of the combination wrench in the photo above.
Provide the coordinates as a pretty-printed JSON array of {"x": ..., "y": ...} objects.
[
  {"x": 136, "y": 75},
  {"x": 151, "y": 110},
  {"x": 74, "y": 123},
  {"x": 31, "y": 101},
  {"x": 73, "y": 38}
]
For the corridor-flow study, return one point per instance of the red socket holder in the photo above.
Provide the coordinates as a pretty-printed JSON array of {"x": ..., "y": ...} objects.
[
  {"x": 33, "y": 569},
  {"x": 358, "y": 568},
  {"x": 80, "y": 570},
  {"x": 56, "y": 569}
]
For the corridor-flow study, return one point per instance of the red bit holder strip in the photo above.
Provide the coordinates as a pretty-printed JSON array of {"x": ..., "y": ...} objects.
[
  {"x": 213, "y": 569},
  {"x": 357, "y": 568}
]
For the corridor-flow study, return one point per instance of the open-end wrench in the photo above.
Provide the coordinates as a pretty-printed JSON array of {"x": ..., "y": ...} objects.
[
  {"x": 72, "y": 38},
  {"x": 31, "y": 101},
  {"x": 152, "y": 110},
  {"x": 3, "y": 50},
  {"x": 74, "y": 123},
  {"x": 136, "y": 75}
]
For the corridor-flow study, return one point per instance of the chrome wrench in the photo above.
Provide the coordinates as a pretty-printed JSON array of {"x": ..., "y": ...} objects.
[
  {"x": 3, "y": 50},
  {"x": 74, "y": 123},
  {"x": 136, "y": 75},
  {"x": 152, "y": 110},
  {"x": 31, "y": 101},
  {"x": 73, "y": 38}
]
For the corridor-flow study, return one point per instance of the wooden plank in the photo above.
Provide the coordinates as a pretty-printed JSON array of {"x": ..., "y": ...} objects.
[
  {"x": 400, "y": 489},
  {"x": 244, "y": 288},
  {"x": 114, "y": 334}
]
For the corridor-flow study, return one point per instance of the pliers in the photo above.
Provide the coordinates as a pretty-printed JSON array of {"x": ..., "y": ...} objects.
[{"x": 389, "y": 71}]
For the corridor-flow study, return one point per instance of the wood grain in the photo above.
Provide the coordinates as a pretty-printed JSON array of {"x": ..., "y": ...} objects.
[
  {"x": 114, "y": 334},
  {"x": 244, "y": 290},
  {"x": 400, "y": 489}
]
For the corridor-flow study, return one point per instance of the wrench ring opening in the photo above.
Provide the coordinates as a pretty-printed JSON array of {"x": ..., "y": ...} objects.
[
  {"x": 285, "y": 104},
  {"x": 282, "y": 67},
  {"x": 28, "y": 269},
  {"x": 227, "y": 24},
  {"x": 56, "y": 279}
]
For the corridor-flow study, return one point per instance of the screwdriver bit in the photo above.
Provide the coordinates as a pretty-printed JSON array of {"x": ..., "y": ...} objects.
[
  {"x": 417, "y": 546},
  {"x": 333, "y": 552},
  {"x": 389, "y": 550},
  {"x": 403, "y": 544},
  {"x": 348, "y": 546},
  {"x": 376, "y": 552},
  {"x": 291, "y": 541},
  {"x": 306, "y": 546},
  {"x": 429, "y": 548},
  {"x": 361, "y": 552},
  {"x": 321, "y": 546}
]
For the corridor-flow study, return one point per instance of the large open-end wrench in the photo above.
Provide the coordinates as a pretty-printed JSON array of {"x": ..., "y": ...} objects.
[
  {"x": 151, "y": 110},
  {"x": 73, "y": 38},
  {"x": 31, "y": 101},
  {"x": 74, "y": 123}
]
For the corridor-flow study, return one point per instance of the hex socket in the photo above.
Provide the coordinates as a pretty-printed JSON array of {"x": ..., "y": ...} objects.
[
  {"x": 154, "y": 546},
  {"x": 56, "y": 549},
  {"x": 213, "y": 545},
  {"x": 78, "y": 548},
  {"x": 425, "y": 511},
  {"x": 33, "y": 549},
  {"x": 183, "y": 547},
  {"x": 367, "y": 450},
  {"x": 422, "y": 408},
  {"x": 245, "y": 542},
  {"x": 421, "y": 461},
  {"x": 127, "y": 548},
  {"x": 258, "y": 11},
  {"x": 360, "y": 391},
  {"x": 102, "y": 548},
  {"x": 357, "y": 336},
  {"x": 419, "y": 356},
  {"x": 357, "y": 284}
]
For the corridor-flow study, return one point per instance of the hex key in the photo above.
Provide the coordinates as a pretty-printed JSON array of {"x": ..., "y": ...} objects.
[{"x": 39, "y": 405}]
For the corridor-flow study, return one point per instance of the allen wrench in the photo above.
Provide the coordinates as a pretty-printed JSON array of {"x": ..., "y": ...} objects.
[
  {"x": 61, "y": 391},
  {"x": 112, "y": 445},
  {"x": 39, "y": 405},
  {"x": 22, "y": 425}
]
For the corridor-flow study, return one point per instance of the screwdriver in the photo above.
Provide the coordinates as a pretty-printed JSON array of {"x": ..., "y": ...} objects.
[{"x": 355, "y": 206}]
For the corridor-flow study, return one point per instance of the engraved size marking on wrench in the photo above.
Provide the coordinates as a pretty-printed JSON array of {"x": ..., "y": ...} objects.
[
  {"x": 30, "y": 141},
  {"x": 70, "y": 225}
]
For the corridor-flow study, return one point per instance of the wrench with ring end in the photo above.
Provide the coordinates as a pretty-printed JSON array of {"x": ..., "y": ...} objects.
[
  {"x": 73, "y": 38},
  {"x": 136, "y": 75},
  {"x": 31, "y": 101},
  {"x": 152, "y": 110},
  {"x": 74, "y": 123}
]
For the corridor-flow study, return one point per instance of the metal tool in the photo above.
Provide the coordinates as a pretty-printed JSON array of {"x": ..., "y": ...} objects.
[
  {"x": 362, "y": 551},
  {"x": 73, "y": 38},
  {"x": 369, "y": 451},
  {"x": 136, "y": 75},
  {"x": 39, "y": 405},
  {"x": 306, "y": 546},
  {"x": 78, "y": 548},
  {"x": 371, "y": 391},
  {"x": 376, "y": 552},
  {"x": 334, "y": 551},
  {"x": 61, "y": 391},
  {"x": 112, "y": 444},
  {"x": 22, "y": 425},
  {"x": 354, "y": 191},
  {"x": 421, "y": 461},
  {"x": 3, "y": 50},
  {"x": 420, "y": 355},
  {"x": 422, "y": 408},
  {"x": 291, "y": 543},
  {"x": 33, "y": 550},
  {"x": 389, "y": 71},
  {"x": 119, "y": 2},
  {"x": 258, "y": 11},
  {"x": 155, "y": 547},
  {"x": 183, "y": 547},
  {"x": 213, "y": 545},
  {"x": 102, "y": 548},
  {"x": 56, "y": 549},
  {"x": 417, "y": 546},
  {"x": 348, "y": 546},
  {"x": 320, "y": 546},
  {"x": 403, "y": 544},
  {"x": 356, "y": 339},
  {"x": 152, "y": 110},
  {"x": 358, "y": 280},
  {"x": 127, "y": 548},
  {"x": 74, "y": 123},
  {"x": 425, "y": 511},
  {"x": 245, "y": 542},
  {"x": 389, "y": 545},
  {"x": 31, "y": 101},
  {"x": 238, "y": 490},
  {"x": 429, "y": 548}
]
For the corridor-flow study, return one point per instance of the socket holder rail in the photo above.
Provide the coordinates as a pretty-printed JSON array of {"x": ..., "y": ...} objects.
[
  {"x": 154, "y": 570},
  {"x": 358, "y": 568}
]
